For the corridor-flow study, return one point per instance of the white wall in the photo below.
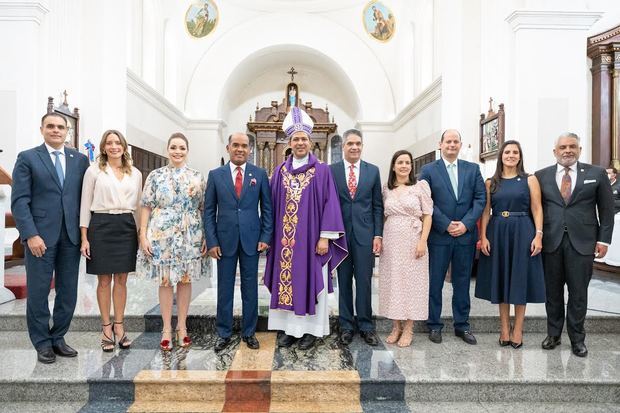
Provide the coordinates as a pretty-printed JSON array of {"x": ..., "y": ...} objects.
[
  {"x": 59, "y": 45},
  {"x": 151, "y": 119},
  {"x": 416, "y": 128},
  {"x": 19, "y": 80},
  {"x": 529, "y": 55}
]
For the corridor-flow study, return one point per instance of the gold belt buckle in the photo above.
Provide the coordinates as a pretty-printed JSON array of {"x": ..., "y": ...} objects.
[{"x": 505, "y": 214}]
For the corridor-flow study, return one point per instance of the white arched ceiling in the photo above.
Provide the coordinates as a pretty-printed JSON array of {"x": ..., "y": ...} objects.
[
  {"x": 302, "y": 6},
  {"x": 336, "y": 52},
  {"x": 265, "y": 71}
]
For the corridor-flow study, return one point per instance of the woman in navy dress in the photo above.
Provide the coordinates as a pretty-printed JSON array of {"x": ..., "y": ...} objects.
[{"x": 510, "y": 271}]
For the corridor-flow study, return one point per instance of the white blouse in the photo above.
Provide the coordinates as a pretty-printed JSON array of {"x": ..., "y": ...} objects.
[{"x": 103, "y": 193}]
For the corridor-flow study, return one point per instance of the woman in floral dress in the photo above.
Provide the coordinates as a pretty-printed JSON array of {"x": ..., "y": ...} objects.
[
  {"x": 172, "y": 244},
  {"x": 403, "y": 268}
]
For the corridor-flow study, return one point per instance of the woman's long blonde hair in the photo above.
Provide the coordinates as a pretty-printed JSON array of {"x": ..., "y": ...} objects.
[{"x": 103, "y": 157}]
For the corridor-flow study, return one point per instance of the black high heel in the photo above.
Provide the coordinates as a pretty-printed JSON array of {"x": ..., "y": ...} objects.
[
  {"x": 124, "y": 343},
  {"x": 107, "y": 343},
  {"x": 513, "y": 344}
]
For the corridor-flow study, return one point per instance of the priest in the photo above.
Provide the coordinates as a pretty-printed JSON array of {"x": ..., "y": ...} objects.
[{"x": 308, "y": 239}]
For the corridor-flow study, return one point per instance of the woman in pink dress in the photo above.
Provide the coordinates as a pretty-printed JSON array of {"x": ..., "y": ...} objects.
[{"x": 403, "y": 268}]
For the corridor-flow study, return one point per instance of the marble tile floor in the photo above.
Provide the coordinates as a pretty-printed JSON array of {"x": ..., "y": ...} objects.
[
  {"x": 359, "y": 377},
  {"x": 375, "y": 407},
  {"x": 425, "y": 377}
]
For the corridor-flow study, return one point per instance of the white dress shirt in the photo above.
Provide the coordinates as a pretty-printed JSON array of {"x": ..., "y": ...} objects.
[
  {"x": 559, "y": 173},
  {"x": 63, "y": 160},
  {"x": 103, "y": 193},
  {"x": 233, "y": 171}
]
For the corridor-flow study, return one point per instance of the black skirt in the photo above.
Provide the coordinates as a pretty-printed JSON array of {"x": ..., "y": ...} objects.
[{"x": 113, "y": 244}]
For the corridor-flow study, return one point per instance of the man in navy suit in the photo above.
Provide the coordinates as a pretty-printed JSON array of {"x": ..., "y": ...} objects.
[
  {"x": 359, "y": 191},
  {"x": 459, "y": 197},
  {"x": 236, "y": 233},
  {"x": 45, "y": 202}
]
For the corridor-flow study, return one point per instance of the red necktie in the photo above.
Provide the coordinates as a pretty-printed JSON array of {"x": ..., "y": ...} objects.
[
  {"x": 239, "y": 182},
  {"x": 565, "y": 189},
  {"x": 352, "y": 184}
]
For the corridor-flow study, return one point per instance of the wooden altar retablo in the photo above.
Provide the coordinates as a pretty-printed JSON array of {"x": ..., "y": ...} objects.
[{"x": 271, "y": 144}]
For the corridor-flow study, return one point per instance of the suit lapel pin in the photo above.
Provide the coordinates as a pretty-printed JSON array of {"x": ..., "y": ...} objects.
[
  {"x": 581, "y": 170},
  {"x": 70, "y": 155}
]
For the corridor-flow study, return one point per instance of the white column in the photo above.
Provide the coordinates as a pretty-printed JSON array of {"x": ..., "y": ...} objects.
[
  {"x": 457, "y": 54},
  {"x": 205, "y": 137},
  {"x": 20, "y": 30},
  {"x": 103, "y": 103},
  {"x": 5, "y": 293},
  {"x": 551, "y": 81}
]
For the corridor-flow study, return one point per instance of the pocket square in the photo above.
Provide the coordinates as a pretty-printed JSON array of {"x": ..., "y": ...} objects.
[{"x": 589, "y": 181}]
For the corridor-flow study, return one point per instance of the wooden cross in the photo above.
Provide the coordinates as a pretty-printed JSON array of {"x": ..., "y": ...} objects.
[
  {"x": 292, "y": 72},
  {"x": 491, "y": 112}
]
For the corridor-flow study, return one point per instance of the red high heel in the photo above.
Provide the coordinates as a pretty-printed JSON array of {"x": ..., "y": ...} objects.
[
  {"x": 186, "y": 342},
  {"x": 165, "y": 344}
]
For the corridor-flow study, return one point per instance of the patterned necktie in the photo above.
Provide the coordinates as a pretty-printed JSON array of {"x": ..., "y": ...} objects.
[
  {"x": 565, "y": 189},
  {"x": 239, "y": 181},
  {"x": 352, "y": 184},
  {"x": 452, "y": 175},
  {"x": 58, "y": 166}
]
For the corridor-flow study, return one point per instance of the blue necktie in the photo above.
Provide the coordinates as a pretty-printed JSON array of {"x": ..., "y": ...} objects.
[
  {"x": 452, "y": 175},
  {"x": 58, "y": 166}
]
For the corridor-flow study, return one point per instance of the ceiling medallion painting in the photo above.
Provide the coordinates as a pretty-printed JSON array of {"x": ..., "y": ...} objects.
[
  {"x": 379, "y": 21},
  {"x": 201, "y": 18}
]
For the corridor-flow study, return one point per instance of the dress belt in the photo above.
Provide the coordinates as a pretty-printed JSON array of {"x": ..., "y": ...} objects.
[
  {"x": 114, "y": 211},
  {"x": 507, "y": 214}
]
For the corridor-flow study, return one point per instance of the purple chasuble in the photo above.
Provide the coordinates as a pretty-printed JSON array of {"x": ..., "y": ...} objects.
[{"x": 305, "y": 202}]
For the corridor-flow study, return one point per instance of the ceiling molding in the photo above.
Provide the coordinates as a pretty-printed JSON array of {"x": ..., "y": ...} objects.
[
  {"x": 553, "y": 20},
  {"x": 421, "y": 102},
  {"x": 144, "y": 91},
  {"x": 26, "y": 11}
]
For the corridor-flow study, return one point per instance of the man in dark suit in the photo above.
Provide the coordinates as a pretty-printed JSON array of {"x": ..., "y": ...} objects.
[
  {"x": 459, "y": 197},
  {"x": 236, "y": 233},
  {"x": 573, "y": 194},
  {"x": 359, "y": 189},
  {"x": 45, "y": 202},
  {"x": 612, "y": 174}
]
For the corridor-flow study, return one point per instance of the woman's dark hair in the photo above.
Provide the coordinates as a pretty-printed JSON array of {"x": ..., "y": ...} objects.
[
  {"x": 392, "y": 176},
  {"x": 499, "y": 169}
]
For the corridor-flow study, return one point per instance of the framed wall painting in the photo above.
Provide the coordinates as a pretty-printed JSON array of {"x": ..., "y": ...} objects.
[
  {"x": 201, "y": 18},
  {"x": 492, "y": 130},
  {"x": 379, "y": 21}
]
